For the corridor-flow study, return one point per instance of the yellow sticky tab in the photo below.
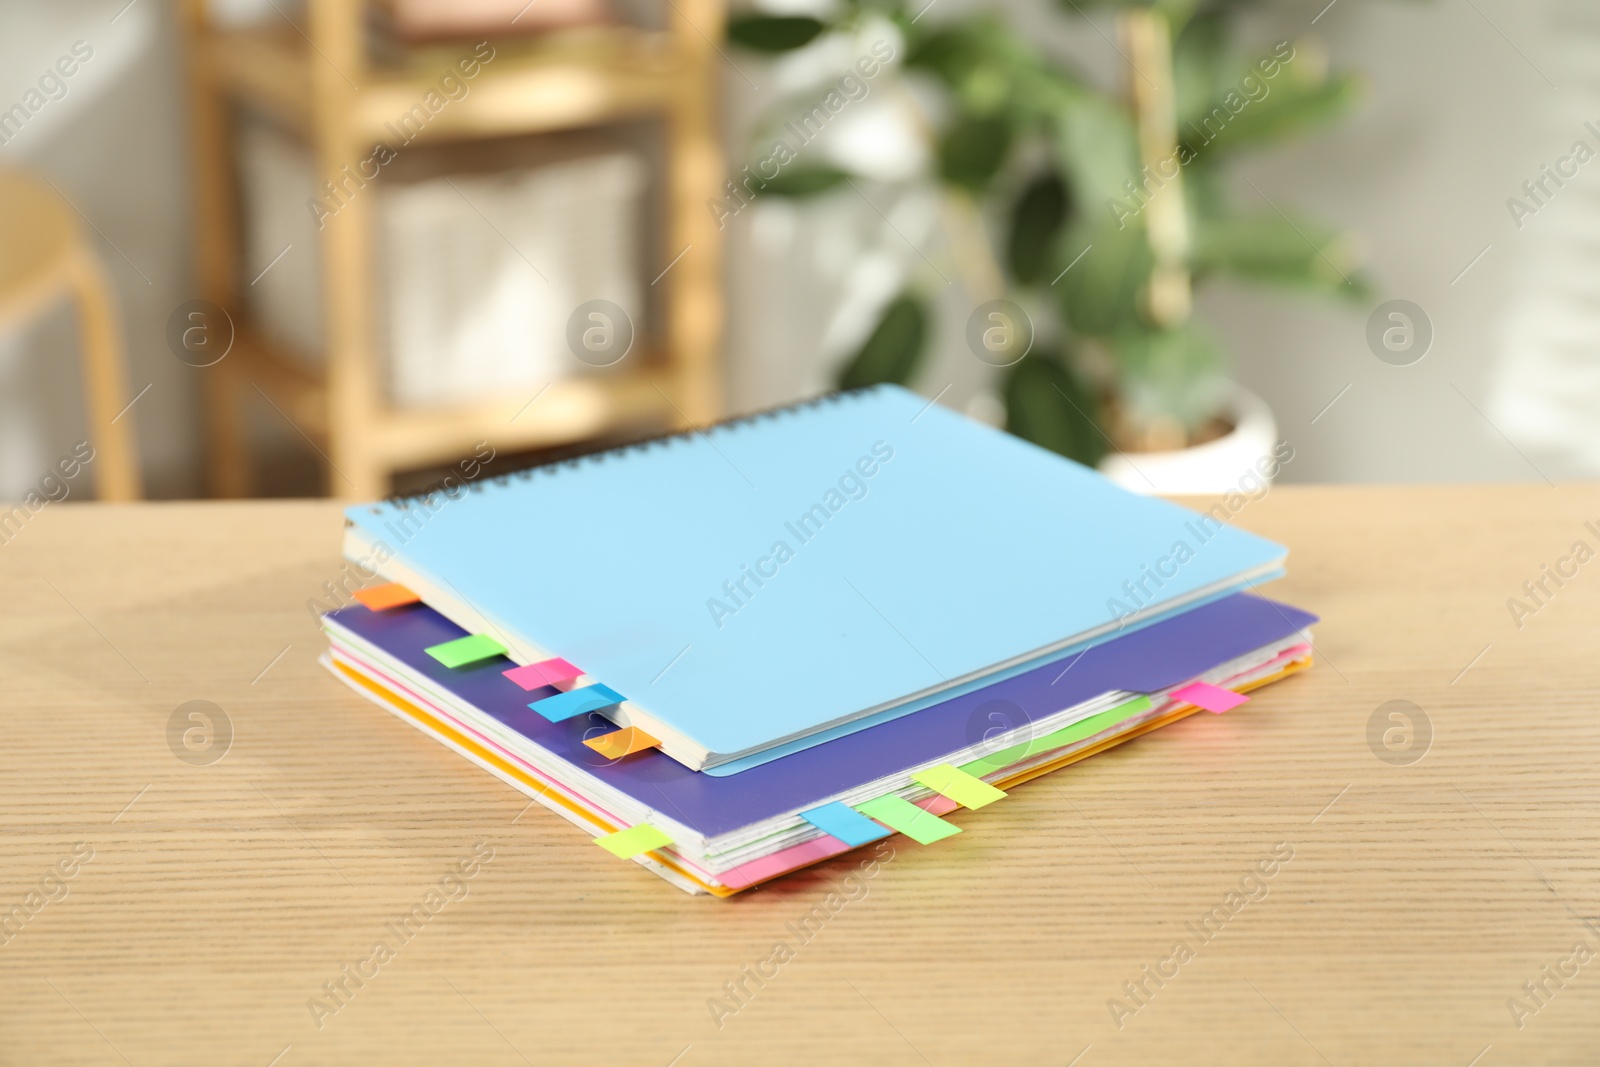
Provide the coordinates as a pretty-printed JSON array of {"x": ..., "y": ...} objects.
[
  {"x": 951, "y": 781},
  {"x": 623, "y": 742},
  {"x": 626, "y": 844}
]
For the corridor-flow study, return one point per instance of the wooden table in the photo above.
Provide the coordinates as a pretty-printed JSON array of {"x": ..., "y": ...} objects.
[{"x": 221, "y": 897}]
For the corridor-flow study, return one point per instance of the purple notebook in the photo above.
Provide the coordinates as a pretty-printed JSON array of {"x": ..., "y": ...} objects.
[{"x": 1157, "y": 657}]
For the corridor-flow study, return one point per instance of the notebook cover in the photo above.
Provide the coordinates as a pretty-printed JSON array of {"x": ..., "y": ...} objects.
[
  {"x": 1148, "y": 660},
  {"x": 778, "y": 575}
]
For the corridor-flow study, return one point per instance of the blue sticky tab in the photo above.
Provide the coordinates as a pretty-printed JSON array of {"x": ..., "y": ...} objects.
[
  {"x": 845, "y": 823},
  {"x": 576, "y": 702}
]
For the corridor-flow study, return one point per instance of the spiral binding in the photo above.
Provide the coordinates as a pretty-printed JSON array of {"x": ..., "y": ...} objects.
[{"x": 577, "y": 455}]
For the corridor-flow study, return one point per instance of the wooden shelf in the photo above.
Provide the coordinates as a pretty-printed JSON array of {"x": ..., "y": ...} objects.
[
  {"x": 317, "y": 78},
  {"x": 569, "y": 409},
  {"x": 577, "y": 77},
  {"x": 299, "y": 391}
]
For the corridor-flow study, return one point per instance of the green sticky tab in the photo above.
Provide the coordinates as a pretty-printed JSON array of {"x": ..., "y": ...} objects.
[
  {"x": 626, "y": 844},
  {"x": 923, "y": 827},
  {"x": 1067, "y": 735},
  {"x": 473, "y": 648},
  {"x": 953, "y": 782}
]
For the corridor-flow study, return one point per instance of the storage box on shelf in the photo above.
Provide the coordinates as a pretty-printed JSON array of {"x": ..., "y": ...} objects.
[{"x": 463, "y": 306}]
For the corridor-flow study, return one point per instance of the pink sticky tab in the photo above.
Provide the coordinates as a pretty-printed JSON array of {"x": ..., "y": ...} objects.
[
  {"x": 546, "y": 672},
  {"x": 528, "y": 677},
  {"x": 1213, "y": 698}
]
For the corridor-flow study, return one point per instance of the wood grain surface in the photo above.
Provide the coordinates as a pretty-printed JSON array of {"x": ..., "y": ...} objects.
[{"x": 221, "y": 896}]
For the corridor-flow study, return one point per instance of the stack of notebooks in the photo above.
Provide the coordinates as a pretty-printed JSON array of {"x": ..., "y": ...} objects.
[{"x": 731, "y": 654}]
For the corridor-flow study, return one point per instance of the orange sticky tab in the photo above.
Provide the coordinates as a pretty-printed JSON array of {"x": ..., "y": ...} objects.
[
  {"x": 623, "y": 742},
  {"x": 386, "y": 596}
]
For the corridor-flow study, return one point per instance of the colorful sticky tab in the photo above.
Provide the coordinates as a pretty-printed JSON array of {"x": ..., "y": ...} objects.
[
  {"x": 545, "y": 672},
  {"x": 1067, "y": 735},
  {"x": 564, "y": 706},
  {"x": 626, "y": 844},
  {"x": 386, "y": 596},
  {"x": 923, "y": 827},
  {"x": 1213, "y": 698},
  {"x": 845, "y": 823},
  {"x": 951, "y": 781},
  {"x": 464, "y": 651},
  {"x": 623, "y": 742}
]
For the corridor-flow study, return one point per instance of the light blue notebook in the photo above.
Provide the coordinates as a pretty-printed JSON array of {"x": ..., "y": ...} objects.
[{"x": 791, "y": 576}]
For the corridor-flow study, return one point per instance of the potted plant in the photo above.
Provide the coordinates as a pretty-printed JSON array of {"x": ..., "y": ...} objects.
[{"x": 1100, "y": 209}]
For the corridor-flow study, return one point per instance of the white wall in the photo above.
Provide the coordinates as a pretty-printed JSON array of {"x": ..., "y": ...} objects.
[
  {"x": 1456, "y": 121},
  {"x": 114, "y": 145}
]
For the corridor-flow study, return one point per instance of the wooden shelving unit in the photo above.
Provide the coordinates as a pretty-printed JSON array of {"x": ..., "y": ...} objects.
[{"x": 317, "y": 80}]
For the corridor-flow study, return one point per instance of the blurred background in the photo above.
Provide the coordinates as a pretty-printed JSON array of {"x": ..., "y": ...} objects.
[{"x": 268, "y": 247}]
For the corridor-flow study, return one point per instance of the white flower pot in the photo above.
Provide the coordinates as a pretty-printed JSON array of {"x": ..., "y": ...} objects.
[{"x": 1214, "y": 467}]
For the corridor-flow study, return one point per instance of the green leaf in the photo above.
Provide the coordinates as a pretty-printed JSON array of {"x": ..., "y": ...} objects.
[
  {"x": 1036, "y": 221},
  {"x": 1048, "y": 405},
  {"x": 1041, "y": 93},
  {"x": 972, "y": 151},
  {"x": 1169, "y": 374},
  {"x": 1286, "y": 109},
  {"x": 1200, "y": 66},
  {"x": 949, "y": 54},
  {"x": 978, "y": 60},
  {"x": 992, "y": 69},
  {"x": 774, "y": 33},
  {"x": 1280, "y": 251},
  {"x": 799, "y": 182},
  {"x": 1205, "y": 191},
  {"x": 894, "y": 349},
  {"x": 1177, "y": 11},
  {"x": 1099, "y": 293},
  {"x": 1098, "y": 150}
]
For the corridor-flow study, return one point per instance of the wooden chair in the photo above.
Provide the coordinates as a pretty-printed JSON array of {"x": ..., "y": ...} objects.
[{"x": 45, "y": 255}]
